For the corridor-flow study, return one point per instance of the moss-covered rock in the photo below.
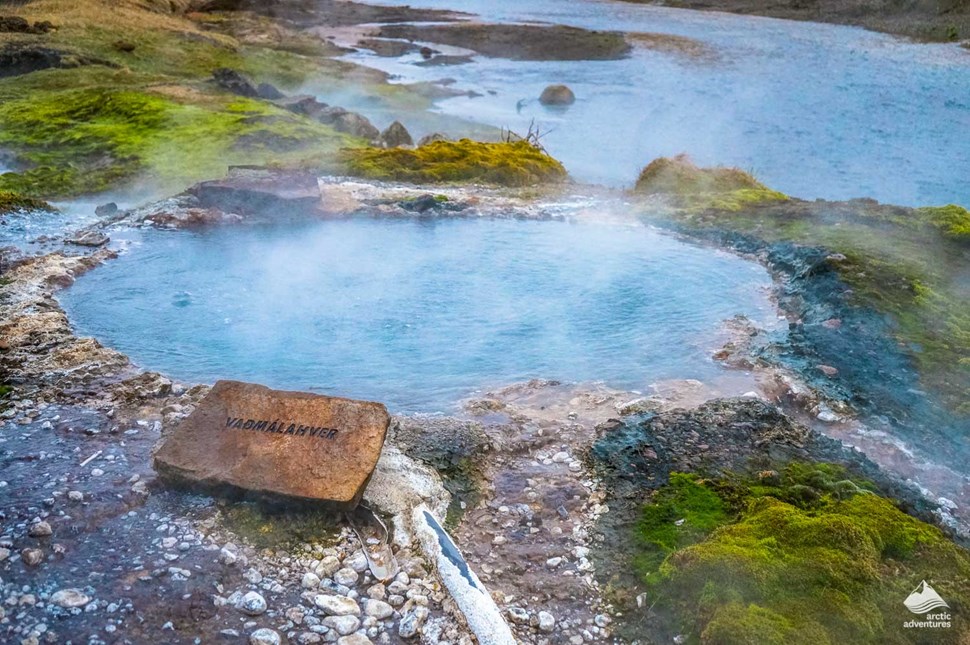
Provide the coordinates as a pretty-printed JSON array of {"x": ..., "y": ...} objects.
[
  {"x": 952, "y": 220},
  {"x": 77, "y": 141},
  {"x": 516, "y": 163},
  {"x": 11, "y": 201},
  {"x": 688, "y": 185},
  {"x": 805, "y": 555}
]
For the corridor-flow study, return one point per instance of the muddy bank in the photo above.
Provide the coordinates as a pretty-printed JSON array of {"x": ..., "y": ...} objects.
[
  {"x": 845, "y": 350},
  {"x": 518, "y": 42},
  {"x": 932, "y": 21}
]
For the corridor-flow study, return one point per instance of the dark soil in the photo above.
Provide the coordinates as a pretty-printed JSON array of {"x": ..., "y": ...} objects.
[
  {"x": 518, "y": 42},
  {"x": 331, "y": 13},
  {"x": 942, "y": 20}
]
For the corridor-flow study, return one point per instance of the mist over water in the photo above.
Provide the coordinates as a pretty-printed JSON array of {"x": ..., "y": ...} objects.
[
  {"x": 418, "y": 314},
  {"x": 814, "y": 110}
]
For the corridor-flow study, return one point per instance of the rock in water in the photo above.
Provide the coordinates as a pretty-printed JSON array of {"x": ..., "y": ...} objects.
[
  {"x": 70, "y": 598},
  {"x": 396, "y": 135},
  {"x": 557, "y": 95},
  {"x": 288, "y": 443}
]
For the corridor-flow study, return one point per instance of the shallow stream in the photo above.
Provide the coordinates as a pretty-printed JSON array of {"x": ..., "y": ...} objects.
[{"x": 814, "y": 110}]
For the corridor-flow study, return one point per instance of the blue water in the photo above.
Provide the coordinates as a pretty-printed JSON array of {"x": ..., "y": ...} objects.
[
  {"x": 814, "y": 110},
  {"x": 418, "y": 314}
]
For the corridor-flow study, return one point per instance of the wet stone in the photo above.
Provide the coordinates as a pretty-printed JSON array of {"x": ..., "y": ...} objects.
[
  {"x": 289, "y": 443},
  {"x": 264, "y": 636},
  {"x": 70, "y": 598}
]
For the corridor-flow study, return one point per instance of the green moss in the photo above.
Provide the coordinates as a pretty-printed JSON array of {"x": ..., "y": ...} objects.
[
  {"x": 760, "y": 560},
  {"x": 517, "y": 163},
  {"x": 87, "y": 140},
  {"x": 903, "y": 262},
  {"x": 680, "y": 514},
  {"x": 694, "y": 188},
  {"x": 952, "y": 220},
  {"x": 264, "y": 526},
  {"x": 5, "y": 390},
  {"x": 11, "y": 201}
]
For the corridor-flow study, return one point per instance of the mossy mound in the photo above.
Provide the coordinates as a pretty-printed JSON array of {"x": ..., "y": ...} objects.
[
  {"x": 77, "y": 141},
  {"x": 693, "y": 187},
  {"x": 805, "y": 555},
  {"x": 516, "y": 163},
  {"x": 953, "y": 221},
  {"x": 11, "y": 201}
]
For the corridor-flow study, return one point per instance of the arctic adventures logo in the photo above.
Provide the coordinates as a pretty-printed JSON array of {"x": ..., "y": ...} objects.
[{"x": 924, "y": 600}]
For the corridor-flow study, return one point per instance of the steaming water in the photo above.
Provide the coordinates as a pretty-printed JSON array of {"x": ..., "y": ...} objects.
[
  {"x": 418, "y": 314},
  {"x": 815, "y": 110}
]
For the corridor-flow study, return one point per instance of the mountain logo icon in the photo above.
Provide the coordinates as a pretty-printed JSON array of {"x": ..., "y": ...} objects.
[{"x": 923, "y": 599}]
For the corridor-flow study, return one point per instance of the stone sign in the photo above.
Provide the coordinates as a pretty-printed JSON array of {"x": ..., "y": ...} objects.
[{"x": 289, "y": 443}]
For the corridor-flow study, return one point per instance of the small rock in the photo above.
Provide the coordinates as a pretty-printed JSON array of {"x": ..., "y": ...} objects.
[
  {"x": 343, "y": 625},
  {"x": 32, "y": 557},
  {"x": 252, "y": 604},
  {"x": 357, "y": 562},
  {"x": 310, "y": 580},
  {"x": 547, "y": 622},
  {"x": 75, "y": 496},
  {"x": 378, "y": 609},
  {"x": 70, "y": 598},
  {"x": 264, "y": 636},
  {"x": 40, "y": 530},
  {"x": 354, "y": 639},
  {"x": 327, "y": 567},
  {"x": 346, "y": 577},
  {"x": 377, "y": 591},
  {"x": 88, "y": 238},
  {"x": 337, "y": 605},
  {"x": 411, "y": 624},
  {"x": 828, "y": 370},
  {"x": 518, "y": 615},
  {"x": 557, "y": 95}
]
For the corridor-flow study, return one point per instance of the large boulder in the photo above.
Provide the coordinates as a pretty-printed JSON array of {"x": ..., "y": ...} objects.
[
  {"x": 303, "y": 104},
  {"x": 557, "y": 95},
  {"x": 357, "y": 125},
  {"x": 395, "y": 136}
]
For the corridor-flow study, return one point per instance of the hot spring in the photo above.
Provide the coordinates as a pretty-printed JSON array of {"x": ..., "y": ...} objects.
[{"x": 418, "y": 313}]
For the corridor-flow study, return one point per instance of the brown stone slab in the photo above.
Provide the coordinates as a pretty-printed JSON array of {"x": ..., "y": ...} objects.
[{"x": 287, "y": 443}]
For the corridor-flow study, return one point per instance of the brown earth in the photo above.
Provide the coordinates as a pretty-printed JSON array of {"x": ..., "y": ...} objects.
[{"x": 930, "y": 20}]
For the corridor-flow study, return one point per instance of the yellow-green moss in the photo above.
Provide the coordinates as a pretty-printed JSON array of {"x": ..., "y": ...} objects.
[
  {"x": 163, "y": 122},
  {"x": 694, "y": 188},
  {"x": 802, "y": 556},
  {"x": 11, "y": 201},
  {"x": 79, "y": 141},
  {"x": 517, "y": 163},
  {"x": 952, "y": 220}
]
